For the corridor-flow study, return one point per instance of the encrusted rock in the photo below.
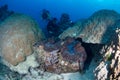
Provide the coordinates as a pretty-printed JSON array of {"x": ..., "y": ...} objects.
[
  {"x": 7, "y": 74},
  {"x": 96, "y": 29},
  {"x": 109, "y": 67},
  {"x": 18, "y": 33},
  {"x": 99, "y": 27},
  {"x": 65, "y": 56},
  {"x": 23, "y": 67},
  {"x": 72, "y": 31},
  {"x": 37, "y": 74}
]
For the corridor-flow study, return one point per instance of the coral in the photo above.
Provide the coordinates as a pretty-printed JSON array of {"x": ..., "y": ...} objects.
[
  {"x": 64, "y": 22},
  {"x": 45, "y": 15},
  {"x": 52, "y": 28},
  {"x": 66, "y": 56},
  {"x": 72, "y": 31},
  {"x": 64, "y": 18},
  {"x": 23, "y": 67},
  {"x": 51, "y": 44},
  {"x": 51, "y": 58},
  {"x": 37, "y": 74},
  {"x": 4, "y": 13},
  {"x": 98, "y": 28},
  {"x": 18, "y": 33},
  {"x": 110, "y": 65},
  {"x": 7, "y": 74},
  {"x": 72, "y": 51}
]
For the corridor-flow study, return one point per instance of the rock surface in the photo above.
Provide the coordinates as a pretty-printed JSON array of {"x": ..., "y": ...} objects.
[
  {"x": 96, "y": 29},
  {"x": 7, "y": 74},
  {"x": 23, "y": 67},
  {"x": 72, "y": 31},
  {"x": 100, "y": 26},
  {"x": 109, "y": 67},
  {"x": 37, "y": 74},
  {"x": 103, "y": 28},
  {"x": 18, "y": 33},
  {"x": 61, "y": 56}
]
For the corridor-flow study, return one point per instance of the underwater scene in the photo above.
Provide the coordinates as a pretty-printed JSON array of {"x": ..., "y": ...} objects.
[{"x": 59, "y": 39}]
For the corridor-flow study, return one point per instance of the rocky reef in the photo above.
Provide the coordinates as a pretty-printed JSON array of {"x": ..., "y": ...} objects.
[
  {"x": 97, "y": 57},
  {"x": 61, "y": 56},
  {"x": 102, "y": 28},
  {"x": 96, "y": 29},
  {"x": 109, "y": 65}
]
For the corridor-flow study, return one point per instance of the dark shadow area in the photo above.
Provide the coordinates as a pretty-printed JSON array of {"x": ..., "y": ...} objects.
[{"x": 92, "y": 51}]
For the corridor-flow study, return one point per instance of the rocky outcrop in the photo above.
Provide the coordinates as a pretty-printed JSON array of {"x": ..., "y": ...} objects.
[
  {"x": 109, "y": 66},
  {"x": 18, "y": 33},
  {"x": 103, "y": 27},
  {"x": 99, "y": 27},
  {"x": 96, "y": 29},
  {"x": 72, "y": 31},
  {"x": 61, "y": 56}
]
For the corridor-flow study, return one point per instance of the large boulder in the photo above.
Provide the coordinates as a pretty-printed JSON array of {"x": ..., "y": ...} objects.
[
  {"x": 96, "y": 29},
  {"x": 18, "y": 33},
  {"x": 61, "y": 56},
  {"x": 99, "y": 27}
]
